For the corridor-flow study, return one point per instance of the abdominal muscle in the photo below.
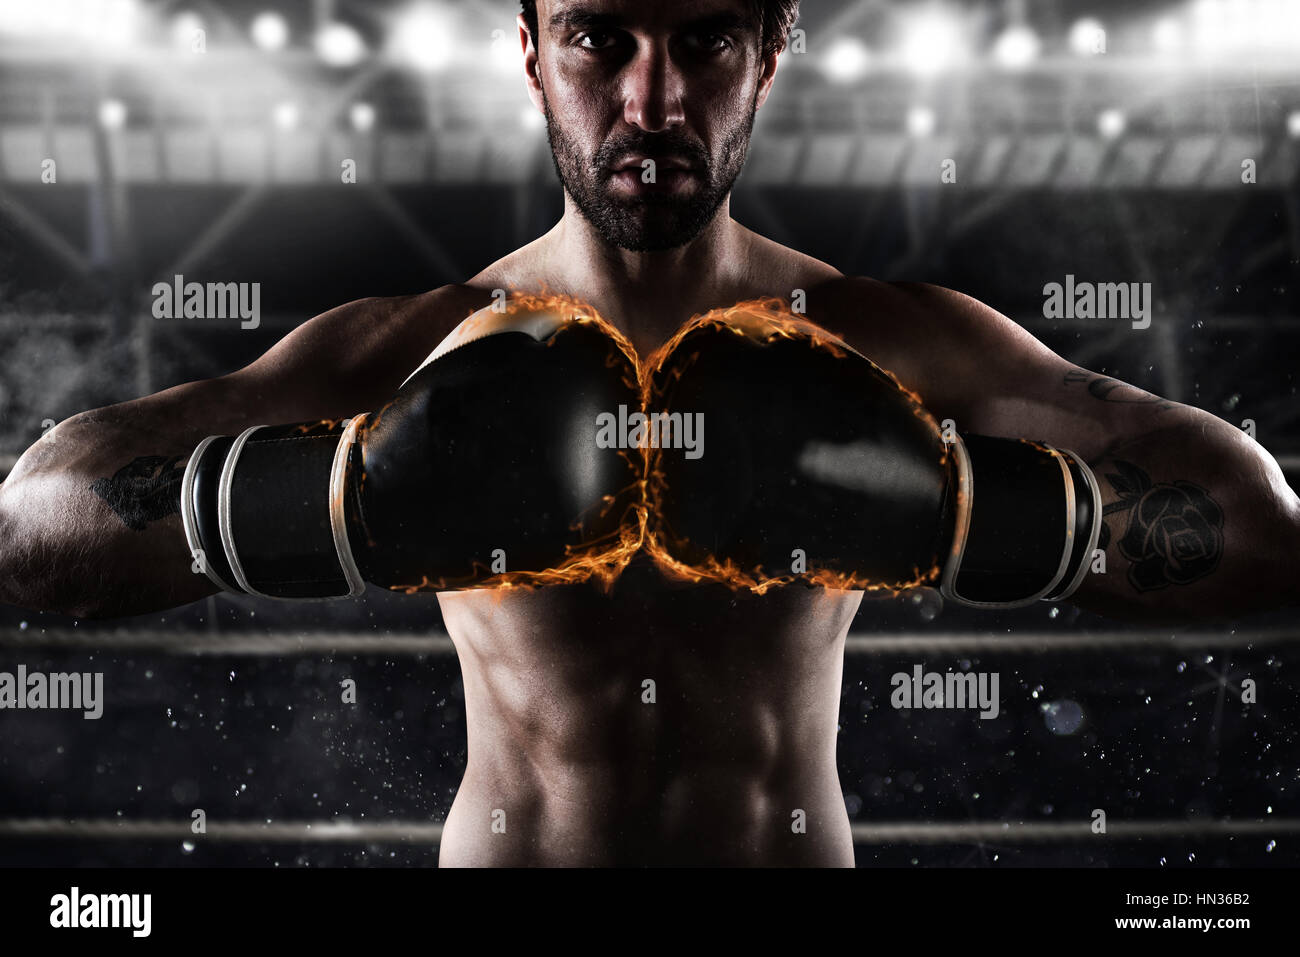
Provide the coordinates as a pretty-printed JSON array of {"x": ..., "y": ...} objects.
[{"x": 659, "y": 724}]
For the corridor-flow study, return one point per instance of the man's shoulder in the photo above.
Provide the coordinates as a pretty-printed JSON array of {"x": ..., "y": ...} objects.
[
  {"x": 934, "y": 339},
  {"x": 854, "y": 292},
  {"x": 454, "y": 301},
  {"x": 904, "y": 311},
  {"x": 363, "y": 350}
]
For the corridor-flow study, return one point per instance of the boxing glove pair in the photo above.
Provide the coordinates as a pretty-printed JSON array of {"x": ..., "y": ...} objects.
[{"x": 489, "y": 466}]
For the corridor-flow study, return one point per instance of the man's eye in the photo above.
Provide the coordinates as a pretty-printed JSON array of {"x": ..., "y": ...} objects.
[
  {"x": 709, "y": 42},
  {"x": 596, "y": 41}
]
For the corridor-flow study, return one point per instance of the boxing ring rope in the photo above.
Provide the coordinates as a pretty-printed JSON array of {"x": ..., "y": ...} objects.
[
  {"x": 430, "y": 833},
  {"x": 858, "y": 643}
]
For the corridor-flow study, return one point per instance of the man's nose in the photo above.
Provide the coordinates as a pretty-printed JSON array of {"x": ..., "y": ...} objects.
[{"x": 653, "y": 91}]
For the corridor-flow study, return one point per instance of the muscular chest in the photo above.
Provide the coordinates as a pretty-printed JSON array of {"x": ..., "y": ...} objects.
[{"x": 647, "y": 618}]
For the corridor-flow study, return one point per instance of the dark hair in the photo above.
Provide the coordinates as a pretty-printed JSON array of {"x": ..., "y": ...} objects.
[{"x": 776, "y": 19}]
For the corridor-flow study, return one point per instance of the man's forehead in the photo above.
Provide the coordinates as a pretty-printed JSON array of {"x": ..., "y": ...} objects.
[{"x": 663, "y": 13}]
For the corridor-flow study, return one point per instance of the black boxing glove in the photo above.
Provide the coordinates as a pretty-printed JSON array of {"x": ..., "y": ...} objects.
[
  {"x": 818, "y": 466},
  {"x": 486, "y": 457}
]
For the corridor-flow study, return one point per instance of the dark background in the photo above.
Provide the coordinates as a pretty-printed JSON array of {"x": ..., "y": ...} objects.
[{"x": 231, "y": 704}]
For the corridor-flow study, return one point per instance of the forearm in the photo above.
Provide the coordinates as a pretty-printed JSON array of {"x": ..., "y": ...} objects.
[
  {"x": 1199, "y": 523},
  {"x": 89, "y": 520}
]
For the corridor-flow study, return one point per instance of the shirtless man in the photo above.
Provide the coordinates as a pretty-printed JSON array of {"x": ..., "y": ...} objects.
[{"x": 561, "y": 744}]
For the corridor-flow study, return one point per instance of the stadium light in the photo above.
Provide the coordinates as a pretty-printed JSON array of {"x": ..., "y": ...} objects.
[
  {"x": 531, "y": 120},
  {"x": 505, "y": 54},
  {"x": 339, "y": 45},
  {"x": 270, "y": 31},
  {"x": 1168, "y": 36},
  {"x": 185, "y": 26},
  {"x": 1088, "y": 37},
  {"x": 285, "y": 115},
  {"x": 112, "y": 24},
  {"x": 1293, "y": 125},
  {"x": 362, "y": 116},
  {"x": 423, "y": 39},
  {"x": 847, "y": 60},
  {"x": 932, "y": 43},
  {"x": 1017, "y": 47},
  {"x": 920, "y": 121},
  {"x": 1111, "y": 124},
  {"x": 1223, "y": 28},
  {"x": 112, "y": 114}
]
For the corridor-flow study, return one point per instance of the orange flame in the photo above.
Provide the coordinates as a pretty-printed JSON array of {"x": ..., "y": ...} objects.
[
  {"x": 763, "y": 321},
  {"x": 603, "y": 560}
]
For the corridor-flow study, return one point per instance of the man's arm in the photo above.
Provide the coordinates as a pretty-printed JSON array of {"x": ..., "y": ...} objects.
[
  {"x": 1199, "y": 521},
  {"x": 89, "y": 521}
]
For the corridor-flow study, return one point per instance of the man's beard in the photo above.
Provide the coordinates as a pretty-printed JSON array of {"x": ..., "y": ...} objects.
[{"x": 648, "y": 223}]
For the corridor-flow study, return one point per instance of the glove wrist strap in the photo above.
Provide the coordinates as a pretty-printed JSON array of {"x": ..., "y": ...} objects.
[
  {"x": 1028, "y": 517},
  {"x": 266, "y": 509}
]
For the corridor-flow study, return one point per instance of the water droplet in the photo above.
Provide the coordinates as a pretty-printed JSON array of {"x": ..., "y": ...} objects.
[{"x": 1063, "y": 717}]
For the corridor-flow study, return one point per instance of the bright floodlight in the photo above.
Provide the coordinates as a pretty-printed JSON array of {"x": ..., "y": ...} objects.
[
  {"x": 505, "y": 54},
  {"x": 339, "y": 45},
  {"x": 1111, "y": 124},
  {"x": 286, "y": 115},
  {"x": 112, "y": 114},
  {"x": 1168, "y": 36},
  {"x": 185, "y": 27},
  {"x": 1293, "y": 125},
  {"x": 117, "y": 24},
  {"x": 270, "y": 31},
  {"x": 1088, "y": 37},
  {"x": 362, "y": 116},
  {"x": 920, "y": 121},
  {"x": 423, "y": 38},
  {"x": 530, "y": 119},
  {"x": 1017, "y": 47},
  {"x": 1225, "y": 28},
  {"x": 847, "y": 60},
  {"x": 112, "y": 24},
  {"x": 933, "y": 43}
]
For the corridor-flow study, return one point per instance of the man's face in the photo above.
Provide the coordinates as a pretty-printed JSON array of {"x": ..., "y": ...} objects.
[{"x": 624, "y": 81}]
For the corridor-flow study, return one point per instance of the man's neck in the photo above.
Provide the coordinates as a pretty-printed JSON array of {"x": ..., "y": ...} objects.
[{"x": 646, "y": 295}]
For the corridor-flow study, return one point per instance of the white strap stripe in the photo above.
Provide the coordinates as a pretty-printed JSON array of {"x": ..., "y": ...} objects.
[
  {"x": 223, "y": 510},
  {"x": 190, "y": 521},
  {"x": 1094, "y": 533},
  {"x": 338, "y": 514}
]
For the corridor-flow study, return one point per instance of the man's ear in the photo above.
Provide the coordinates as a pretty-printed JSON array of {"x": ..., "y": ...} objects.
[
  {"x": 767, "y": 78},
  {"x": 532, "y": 78}
]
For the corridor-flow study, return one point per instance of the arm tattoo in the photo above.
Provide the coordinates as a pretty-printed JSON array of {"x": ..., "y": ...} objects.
[
  {"x": 1175, "y": 531},
  {"x": 143, "y": 491},
  {"x": 1112, "y": 390}
]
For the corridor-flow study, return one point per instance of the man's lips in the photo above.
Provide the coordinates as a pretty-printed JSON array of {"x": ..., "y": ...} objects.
[
  {"x": 637, "y": 163},
  {"x": 633, "y": 181}
]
